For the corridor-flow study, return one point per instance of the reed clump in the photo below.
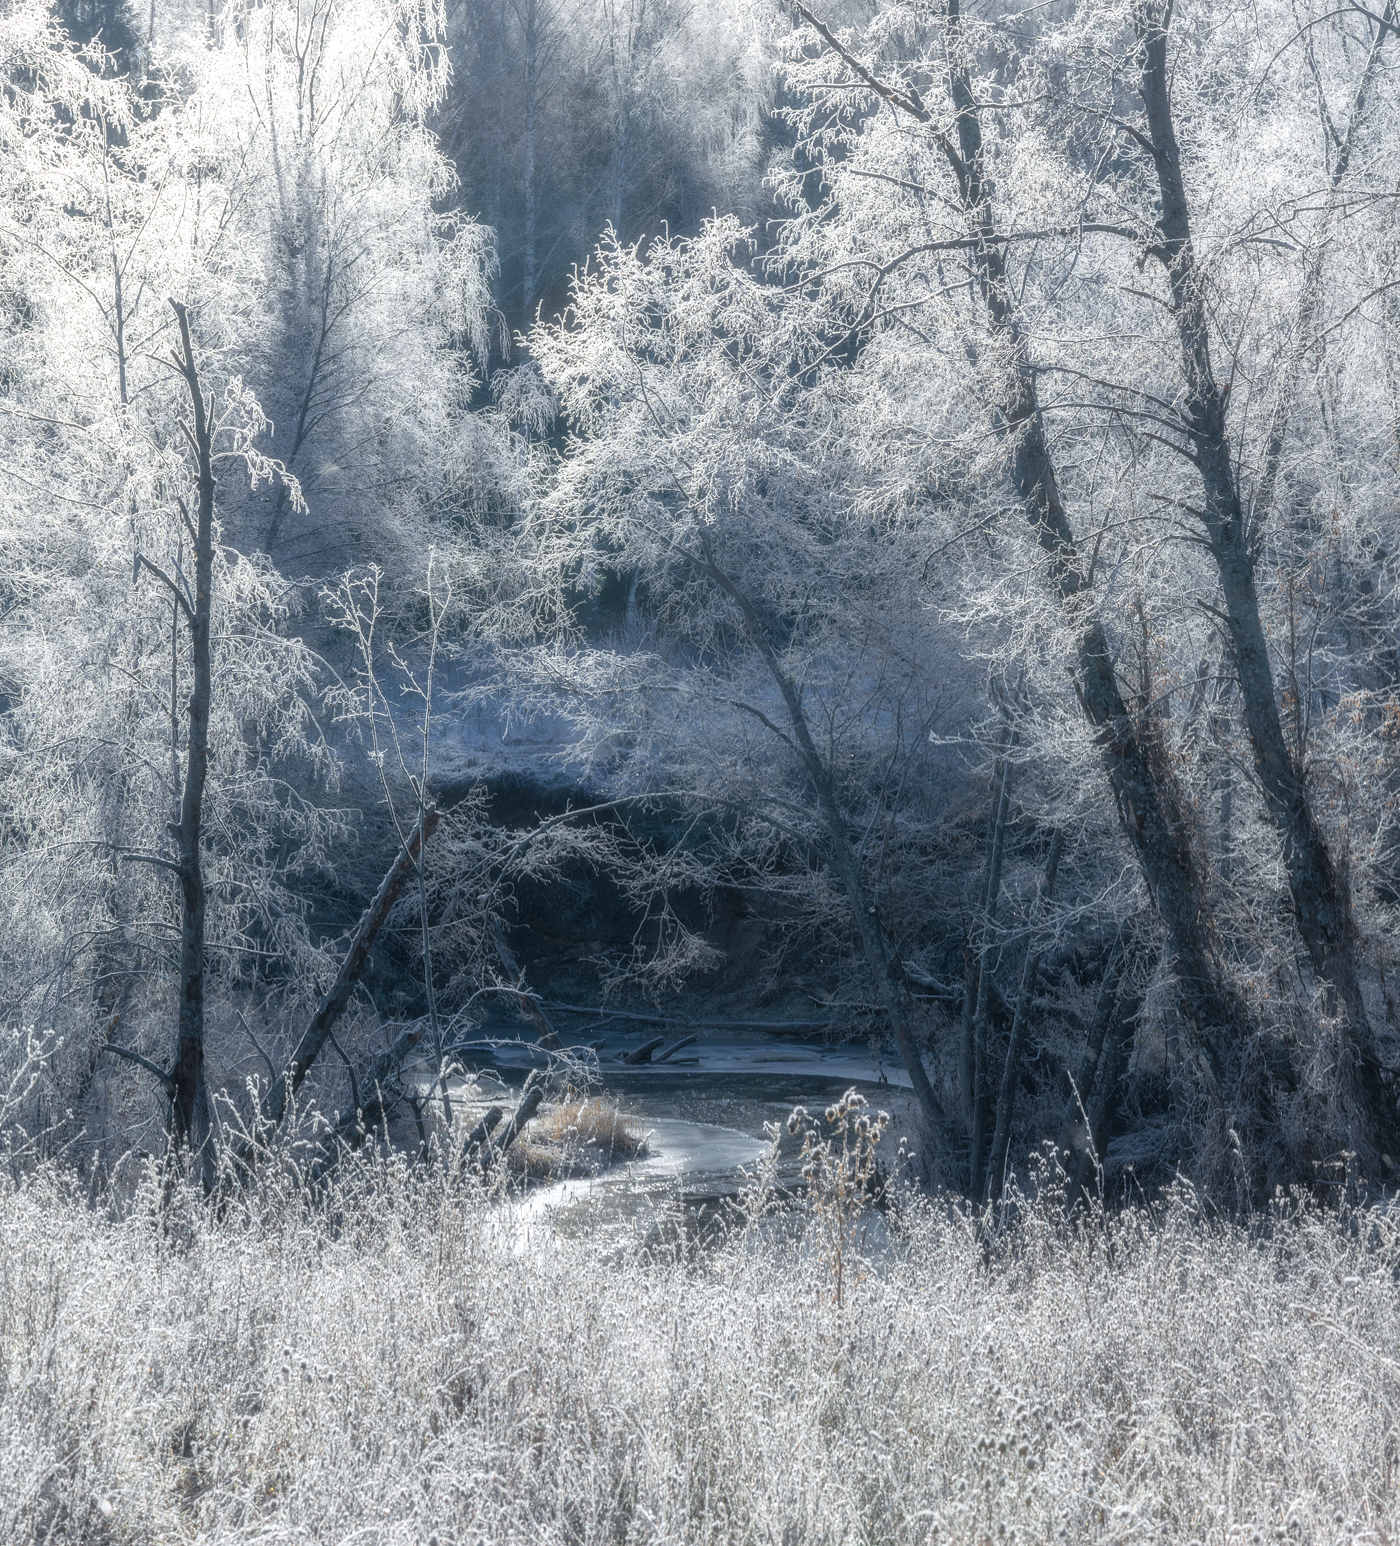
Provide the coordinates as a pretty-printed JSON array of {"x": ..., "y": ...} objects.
[{"x": 580, "y": 1134}]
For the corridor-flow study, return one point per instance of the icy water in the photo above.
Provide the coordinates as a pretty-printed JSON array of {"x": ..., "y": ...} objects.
[{"x": 704, "y": 1112}]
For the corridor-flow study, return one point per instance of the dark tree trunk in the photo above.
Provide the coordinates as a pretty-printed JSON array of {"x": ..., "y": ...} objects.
[
  {"x": 337, "y": 996},
  {"x": 981, "y": 1039},
  {"x": 1011, "y": 1071},
  {"x": 191, "y": 1099}
]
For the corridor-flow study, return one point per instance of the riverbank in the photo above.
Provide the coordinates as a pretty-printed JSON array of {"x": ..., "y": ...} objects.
[
  {"x": 697, "y": 1116},
  {"x": 389, "y": 1367}
]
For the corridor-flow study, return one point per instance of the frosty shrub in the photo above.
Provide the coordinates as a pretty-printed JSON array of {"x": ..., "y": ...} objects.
[{"x": 406, "y": 1362}]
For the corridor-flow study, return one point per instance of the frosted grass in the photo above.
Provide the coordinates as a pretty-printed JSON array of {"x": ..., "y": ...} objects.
[{"x": 383, "y": 1369}]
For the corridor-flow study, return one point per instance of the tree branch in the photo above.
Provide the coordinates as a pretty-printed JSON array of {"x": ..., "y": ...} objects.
[
  {"x": 167, "y": 1080},
  {"x": 142, "y": 562}
]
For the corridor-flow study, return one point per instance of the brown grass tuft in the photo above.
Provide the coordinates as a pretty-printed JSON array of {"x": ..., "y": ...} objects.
[{"x": 579, "y": 1134}]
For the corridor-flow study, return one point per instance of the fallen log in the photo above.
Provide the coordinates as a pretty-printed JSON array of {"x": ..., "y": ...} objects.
[
  {"x": 644, "y": 1052},
  {"x": 670, "y": 1052}
]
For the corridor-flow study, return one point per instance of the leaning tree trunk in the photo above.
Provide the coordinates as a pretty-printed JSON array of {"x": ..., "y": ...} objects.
[
  {"x": 191, "y": 1095},
  {"x": 333, "y": 1002},
  {"x": 1321, "y": 893},
  {"x": 883, "y": 968}
]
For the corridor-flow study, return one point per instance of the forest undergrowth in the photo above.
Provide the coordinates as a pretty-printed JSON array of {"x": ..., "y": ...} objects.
[{"x": 401, "y": 1362}]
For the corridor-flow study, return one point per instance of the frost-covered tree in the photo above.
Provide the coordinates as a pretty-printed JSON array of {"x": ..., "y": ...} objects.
[
  {"x": 565, "y": 116},
  {"x": 370, "y": 302},
  {"x": 1072, "y": 219},
  {"x": 1020, "y": 249},
  {"x": 781, "y": 671},
  {"x": 118, "y": 193}
]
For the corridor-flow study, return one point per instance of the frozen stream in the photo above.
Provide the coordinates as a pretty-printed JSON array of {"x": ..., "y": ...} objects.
[{"x": 704, "y": 1113}]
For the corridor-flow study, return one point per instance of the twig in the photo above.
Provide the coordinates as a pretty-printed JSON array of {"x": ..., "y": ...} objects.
[
  {"x": 258, "y": 1046},
  {"x": 349, "y": 1068}
]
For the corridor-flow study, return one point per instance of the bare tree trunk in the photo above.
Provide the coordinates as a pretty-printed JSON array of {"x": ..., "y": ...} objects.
[
  {"x": 965, "y": 1053},
  {"x": 191, "y": 1103},
  {"x": 531, "y": 82},
  {"x": 1320, "y": 890},
  {"x": 980, "y": 1052},
  {"x": 1006, "y": 1096},
  {"x": 972, "y": 976},
  {"x": 843, "y": 857}
]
